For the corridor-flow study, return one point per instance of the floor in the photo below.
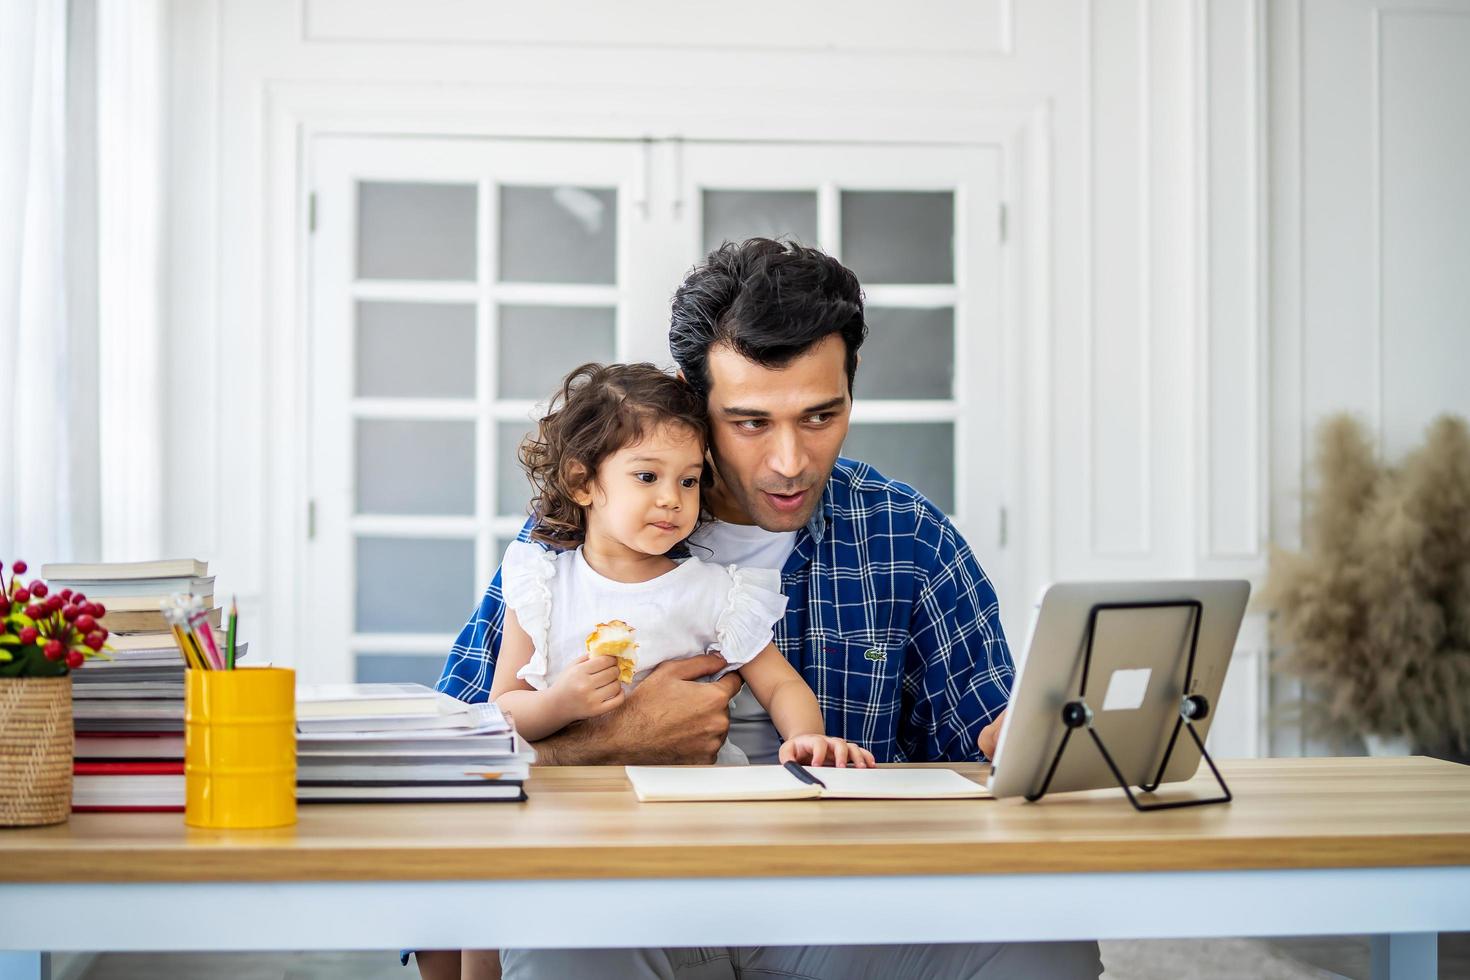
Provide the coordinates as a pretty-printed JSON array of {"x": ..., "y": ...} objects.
[{"x": 1306, "y": 958}]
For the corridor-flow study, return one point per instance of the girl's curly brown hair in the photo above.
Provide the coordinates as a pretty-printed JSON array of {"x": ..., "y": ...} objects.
[{"x": 599, "y": 409}]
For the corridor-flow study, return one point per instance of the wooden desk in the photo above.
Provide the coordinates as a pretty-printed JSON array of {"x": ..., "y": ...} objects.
[{"x": 1310, "y": 846}]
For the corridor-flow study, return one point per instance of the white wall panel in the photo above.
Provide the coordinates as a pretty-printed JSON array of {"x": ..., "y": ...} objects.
[
  {"x": 1286, "y": 348},
  {"x": 940, "y": 26},
  {"x": 1422, "y": 149},
  {"x": 1232, "y": 365},
  {"x": 1337, "y": 217},
  {"x": 1239, "y": 730},
  {"x": 1176, "y": 140},
  {"x": 1118, "y": 406}
]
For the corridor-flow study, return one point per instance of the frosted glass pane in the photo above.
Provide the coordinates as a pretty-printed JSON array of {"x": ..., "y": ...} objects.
[
  {"x": 920, "y": 454},
  {"x": 414, "y": 585},
  {"x": 512, "y": 489},
  {"x": 415, "y": 350},
  {"x": 733, "y": 216},
  {"x": 540, "y": 344},
  {"x": 400, "y": 668},
  {"x": 898, "y": 236},
  {"x": 411, "y": 467},
  {"x": 416, "y": 231},
  {"x": 558, "y": 234},
  {"x": 908, "y": 354}
]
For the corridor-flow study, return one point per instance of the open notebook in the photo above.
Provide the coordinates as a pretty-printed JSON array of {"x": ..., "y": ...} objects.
[{"x": 661, "y": 784}]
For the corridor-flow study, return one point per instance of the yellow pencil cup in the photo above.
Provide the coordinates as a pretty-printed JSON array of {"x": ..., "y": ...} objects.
[{"x": 240, "y": 747}]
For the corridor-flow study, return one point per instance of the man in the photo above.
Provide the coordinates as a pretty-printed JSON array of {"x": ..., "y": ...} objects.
[{"x": 890, "y": 618}]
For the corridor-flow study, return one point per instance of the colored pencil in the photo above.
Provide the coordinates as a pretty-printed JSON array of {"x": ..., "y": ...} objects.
[{"x": 230, "y": 639}]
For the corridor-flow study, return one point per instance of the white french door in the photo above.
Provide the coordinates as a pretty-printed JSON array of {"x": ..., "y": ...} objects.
[{"x": 454, "y": 281}]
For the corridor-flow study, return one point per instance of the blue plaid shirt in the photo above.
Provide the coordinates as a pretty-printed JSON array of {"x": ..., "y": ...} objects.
[{"x": 889, "y": 618}]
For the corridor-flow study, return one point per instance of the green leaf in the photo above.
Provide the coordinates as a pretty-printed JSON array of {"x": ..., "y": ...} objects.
[{"x": 30, "y": 661}]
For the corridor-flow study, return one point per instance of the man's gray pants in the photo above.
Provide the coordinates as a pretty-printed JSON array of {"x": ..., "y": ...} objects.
[{"x": 990, "y": 961}]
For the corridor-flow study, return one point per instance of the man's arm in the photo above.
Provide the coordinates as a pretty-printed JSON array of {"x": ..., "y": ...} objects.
[
  {"x": 671, "y": 718},
  {"x": 959, "y": 663}
]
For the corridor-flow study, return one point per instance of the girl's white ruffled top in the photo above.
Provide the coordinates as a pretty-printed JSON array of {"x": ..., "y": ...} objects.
[{"x": 558, "y": 599}]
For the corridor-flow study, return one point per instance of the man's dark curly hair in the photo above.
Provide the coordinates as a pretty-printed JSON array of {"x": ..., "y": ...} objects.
[
  {"x": 598, "y": 410},
  {"x": 770, "y": 301}
]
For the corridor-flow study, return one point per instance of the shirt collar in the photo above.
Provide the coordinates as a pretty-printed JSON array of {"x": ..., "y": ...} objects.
[{"x": 817, "y": 526}]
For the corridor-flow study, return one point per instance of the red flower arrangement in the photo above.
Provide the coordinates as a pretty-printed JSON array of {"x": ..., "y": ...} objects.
[{"x": 45, "y": 634}]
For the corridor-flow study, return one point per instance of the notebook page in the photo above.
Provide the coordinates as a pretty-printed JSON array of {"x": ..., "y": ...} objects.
[
  {"x": 897, "y": 784},
  {"x": 655, "y": 784}
]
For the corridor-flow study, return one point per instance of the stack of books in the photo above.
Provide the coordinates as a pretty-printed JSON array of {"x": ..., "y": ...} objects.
[
  {"x": 128, "y": 785},
  {"x": 129, "y": 711},
  {"x": 403, "y": 743}
]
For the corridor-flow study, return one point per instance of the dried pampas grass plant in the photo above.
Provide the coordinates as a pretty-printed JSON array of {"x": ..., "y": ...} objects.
[{"x": 1374, "y": 614}]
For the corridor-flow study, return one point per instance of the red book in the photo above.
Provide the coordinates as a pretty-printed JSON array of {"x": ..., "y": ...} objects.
[
  {"x": 161, "y": 768},
  {"x": 122, "y": 786}
]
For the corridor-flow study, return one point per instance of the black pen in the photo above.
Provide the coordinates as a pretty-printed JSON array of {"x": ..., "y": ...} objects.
[{"x": 800, "y": 772}]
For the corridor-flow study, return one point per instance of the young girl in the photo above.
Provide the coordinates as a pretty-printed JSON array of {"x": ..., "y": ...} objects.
[{"x": 617, "y": 464}]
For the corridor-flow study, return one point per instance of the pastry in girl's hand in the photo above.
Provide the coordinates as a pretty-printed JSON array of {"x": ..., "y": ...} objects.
[{"x": 614, "y": 639}]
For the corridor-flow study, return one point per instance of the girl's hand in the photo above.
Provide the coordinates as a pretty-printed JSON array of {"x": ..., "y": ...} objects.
[
  {"x": 825, "y": 750},
  {"x": 589, "y": 687},
  {"x": 990, "y": 735}
]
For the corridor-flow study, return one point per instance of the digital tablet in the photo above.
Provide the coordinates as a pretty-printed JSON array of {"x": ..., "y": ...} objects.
[{"x": 1135, "y": 682}]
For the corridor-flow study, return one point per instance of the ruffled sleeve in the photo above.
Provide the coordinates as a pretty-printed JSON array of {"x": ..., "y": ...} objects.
[
  {"x": 525, "y": 581},
  {"x": 753, "y": 607}
]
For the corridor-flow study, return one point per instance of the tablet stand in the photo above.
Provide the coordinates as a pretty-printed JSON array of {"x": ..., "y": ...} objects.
[{"x": 1192, "y": 707}]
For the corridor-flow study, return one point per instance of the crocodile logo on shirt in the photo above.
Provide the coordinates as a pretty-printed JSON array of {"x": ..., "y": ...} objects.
[{"x": 875, "y": 655}]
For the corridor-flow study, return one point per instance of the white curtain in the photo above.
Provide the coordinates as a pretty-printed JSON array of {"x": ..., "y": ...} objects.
[
  {"x": 131, "y": 164},
  {"x": 35, "y": 418}
]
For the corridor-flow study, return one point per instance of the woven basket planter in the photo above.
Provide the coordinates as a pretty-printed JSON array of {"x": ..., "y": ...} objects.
[{"x": 35, "y": 750}]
